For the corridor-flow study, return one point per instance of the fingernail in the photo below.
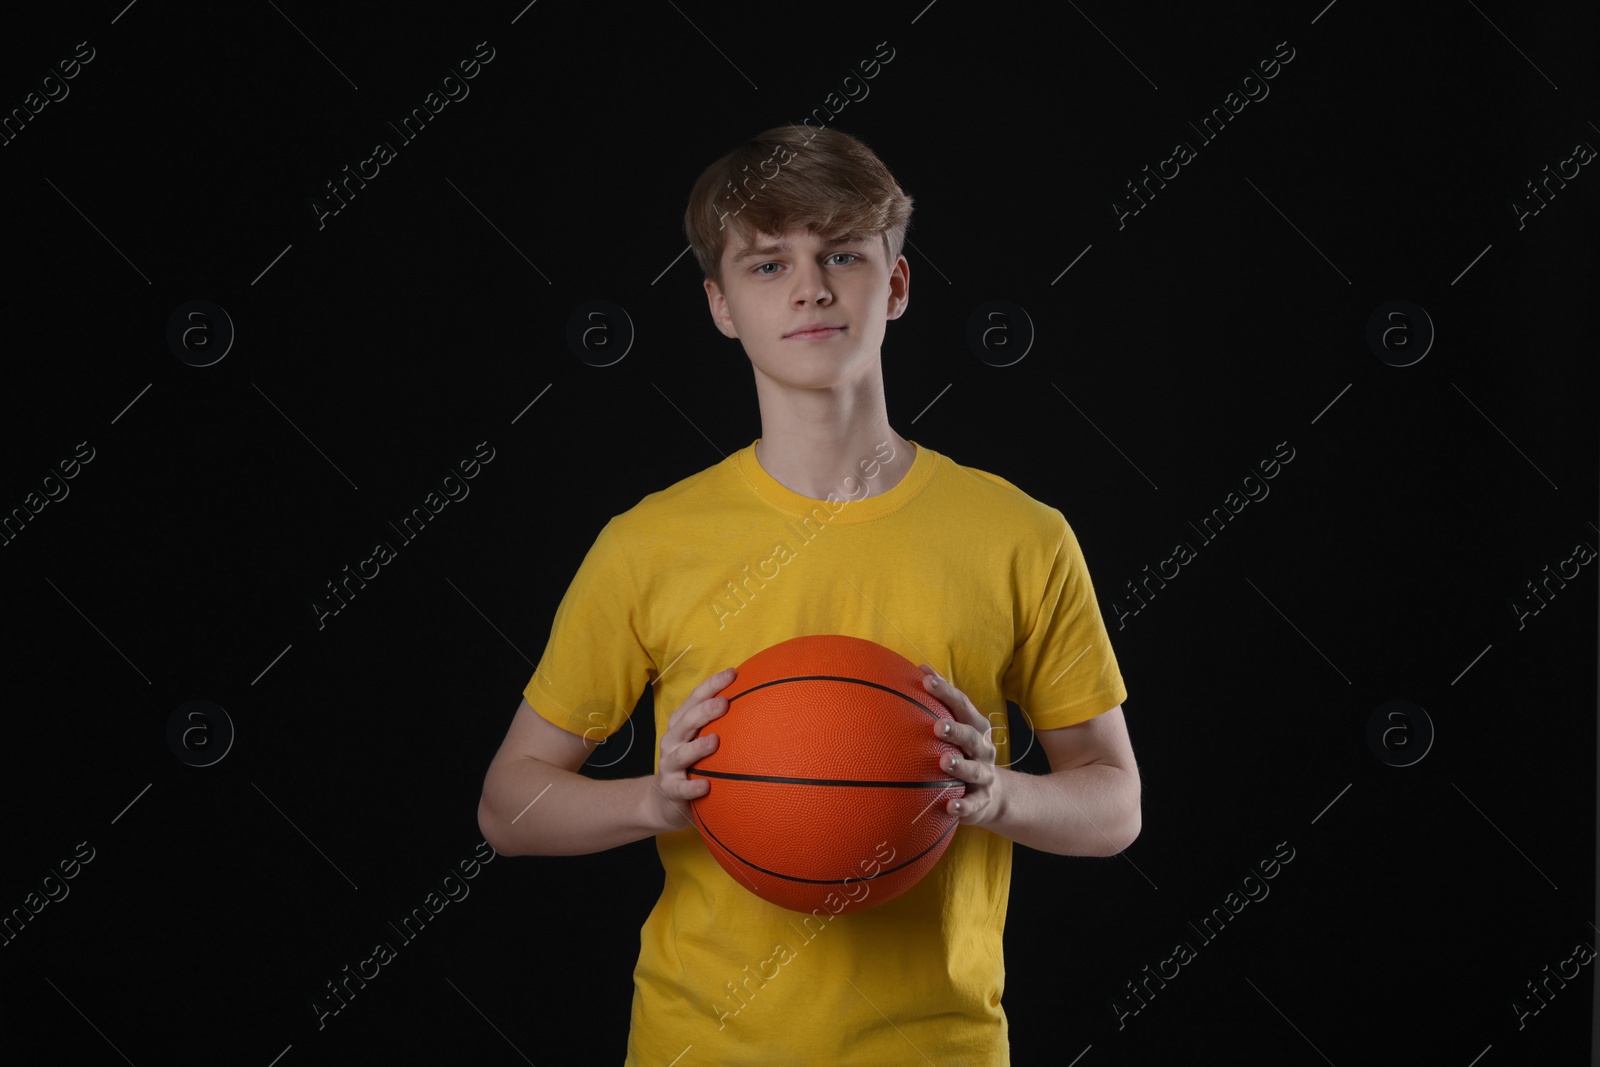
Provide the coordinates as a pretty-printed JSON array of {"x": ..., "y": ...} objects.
[
  {"x": 958, "y": 807},
  {"x": 947, "y": 727}
]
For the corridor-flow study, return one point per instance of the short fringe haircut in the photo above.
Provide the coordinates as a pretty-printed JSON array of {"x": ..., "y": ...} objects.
[{"x": 828, "y": 182}]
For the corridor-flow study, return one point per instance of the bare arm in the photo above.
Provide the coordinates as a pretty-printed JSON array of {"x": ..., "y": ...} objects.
[
  {"x": 1088, "y": 805},
  {"x": 535, "y": 803}
]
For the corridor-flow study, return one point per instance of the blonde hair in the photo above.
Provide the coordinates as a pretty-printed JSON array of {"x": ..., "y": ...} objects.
[{"x": 828, "y": 182}]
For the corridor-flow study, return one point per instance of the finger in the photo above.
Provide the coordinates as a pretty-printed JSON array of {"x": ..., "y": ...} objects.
[
  {"x": 698, "y": 717},
  {"x": 959, "y": 703},
  {"x": 681, "y": 757},
  {"x": 717, "y": 681},
  {"x": 685, "y": 788},
  {"x": 700, "y": 692}
]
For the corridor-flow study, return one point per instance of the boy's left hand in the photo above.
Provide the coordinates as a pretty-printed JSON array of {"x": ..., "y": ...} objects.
[{"x": 970, "y": 733}]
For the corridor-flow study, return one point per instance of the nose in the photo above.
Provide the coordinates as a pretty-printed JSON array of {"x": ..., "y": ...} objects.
[{"x": 811, "y": 285}]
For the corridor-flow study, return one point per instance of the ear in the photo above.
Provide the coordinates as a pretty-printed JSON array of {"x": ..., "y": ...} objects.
[
  {"x": 899, "y": 288},
  {"x": 719, "y": 309}
]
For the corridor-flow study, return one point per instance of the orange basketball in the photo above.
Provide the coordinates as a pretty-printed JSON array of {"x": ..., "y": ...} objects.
[{"x": 826, "y": 788}]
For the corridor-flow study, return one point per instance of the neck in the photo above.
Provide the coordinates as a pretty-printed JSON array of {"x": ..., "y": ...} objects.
[{"x": 834, "y": 439}]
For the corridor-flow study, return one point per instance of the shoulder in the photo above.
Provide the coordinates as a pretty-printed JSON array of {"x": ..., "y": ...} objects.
[
  {"x": 678, "y": 510},
  {"x": 1002, "y": 502}
]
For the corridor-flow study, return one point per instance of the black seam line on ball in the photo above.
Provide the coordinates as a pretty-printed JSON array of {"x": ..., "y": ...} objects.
[
  {"x": 835, "y": 678},
  {"x": 828, "y": 881},
  {"x": 940, "y": 784}
]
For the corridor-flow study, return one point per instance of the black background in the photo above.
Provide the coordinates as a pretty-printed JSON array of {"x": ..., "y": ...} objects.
[{"x": 376, "y": 351}]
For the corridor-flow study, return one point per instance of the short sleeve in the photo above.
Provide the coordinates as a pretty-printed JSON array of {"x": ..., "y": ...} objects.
[
  {"x": 1065, "y": 672},
  {"x": 595, "y": 666}
]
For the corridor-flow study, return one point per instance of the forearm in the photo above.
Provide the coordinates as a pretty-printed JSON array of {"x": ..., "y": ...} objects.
[
  {"x": 1091, "y": 810},
  {"x": 533, "y": 808}
]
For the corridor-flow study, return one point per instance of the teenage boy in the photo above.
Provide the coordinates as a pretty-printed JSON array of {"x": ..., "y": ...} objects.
[{"x": 828, "y": 523}]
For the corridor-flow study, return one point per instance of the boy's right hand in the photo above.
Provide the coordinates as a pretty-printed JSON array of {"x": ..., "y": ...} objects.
[{"x": 681, "y": 747}]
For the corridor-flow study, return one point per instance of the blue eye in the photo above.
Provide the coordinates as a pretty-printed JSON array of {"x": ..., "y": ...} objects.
[
  {"x": 766, "y": 273},
  {"x": 852, "y": 255}
]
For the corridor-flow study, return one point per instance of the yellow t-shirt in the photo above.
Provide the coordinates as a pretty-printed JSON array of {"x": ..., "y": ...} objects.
[{"x": 953, "y": 567}]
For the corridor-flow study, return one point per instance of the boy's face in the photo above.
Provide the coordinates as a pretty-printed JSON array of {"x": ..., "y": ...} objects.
[{"x": 773, "y": 297}]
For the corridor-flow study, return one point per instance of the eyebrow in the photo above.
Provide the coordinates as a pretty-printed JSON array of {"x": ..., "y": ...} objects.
[{"x": 776, "y": 249}]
